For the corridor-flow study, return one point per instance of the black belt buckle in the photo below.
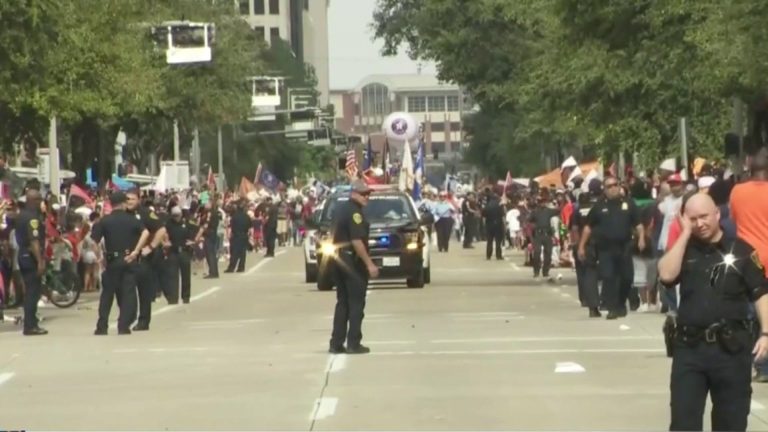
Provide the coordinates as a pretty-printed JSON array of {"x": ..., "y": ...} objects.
[{"x": 710, "y": 334}]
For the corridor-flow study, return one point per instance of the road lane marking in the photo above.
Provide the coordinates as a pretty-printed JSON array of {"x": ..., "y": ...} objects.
[
  {"x": 515, "y": 267},
  {"x": 338, "y": 364},
  {"x": 194, "y": 298},
  {"x": 497, "y": 352},
  {"x": 325, "y": 407},
  {"x": 395, "y": 342},
  {"x": 261, "y": 263},
  {"x": 544, "y": 339},
  {"x": 565, "y": 295},
  {"x": 160, "y": 350},
  {"x": 5, "y": 377},
  {"x": 242, "y": 321},
  {"x": 569, "y": 367},
  {"x": 482, "y": 313},
  {"x": 491, "y": 318}
]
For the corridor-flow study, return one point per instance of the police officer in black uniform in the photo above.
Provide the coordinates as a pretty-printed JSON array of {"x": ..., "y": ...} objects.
[
  {"x": 177, "y": 257},
  {"x": 541, "y": 218},
  {"x": 151, "y": 260},
  {"x": 124, "y": 237},
  {"x": 586, "y": 269},
  {"x": 240, "y": 226},
  {"x": 30, "y": 236},
  {"x": 351, "y": 271},
  {"x": 493, "y": 212},
  {"x": 209, "y": 233},
  {"x": 270, "y": 226},
  {"x": 610, "y": 223},
  {"x": 185, "y": 259},
  {"x": 713, "y": 342}
]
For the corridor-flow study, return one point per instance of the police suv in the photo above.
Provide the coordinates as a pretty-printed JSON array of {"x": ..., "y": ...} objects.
[{"x": 398, "y": 242}]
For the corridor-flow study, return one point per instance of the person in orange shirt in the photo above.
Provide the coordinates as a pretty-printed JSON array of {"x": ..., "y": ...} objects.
[{"x": 749, "y": 208}]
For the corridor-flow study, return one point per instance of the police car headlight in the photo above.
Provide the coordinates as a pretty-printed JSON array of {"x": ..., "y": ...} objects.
[
  {"x": 327, "y": 249},
  {"x": 412, "y": 241}
]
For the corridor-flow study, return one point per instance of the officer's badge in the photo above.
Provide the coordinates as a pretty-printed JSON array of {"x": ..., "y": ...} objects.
[
  {"x": 35, "y": 233},
  {"x": 152, "y": 215},
  {"x": 756, "y": 259},
  {"x": 138, "y": 216},
  {"x": 358, "y": 218},
  {"x": 34, "y": 224},
  {"x": 624, "y": 206}
]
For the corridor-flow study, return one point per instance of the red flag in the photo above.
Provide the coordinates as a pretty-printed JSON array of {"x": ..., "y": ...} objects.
[{"x": 77, "y": 191}]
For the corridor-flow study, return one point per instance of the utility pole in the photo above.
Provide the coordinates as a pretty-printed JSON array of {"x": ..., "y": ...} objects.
[
  {"x": 53, "y": 158},
  {"x": 684, "y": 148},
  {"x": 176, "y": 152}
]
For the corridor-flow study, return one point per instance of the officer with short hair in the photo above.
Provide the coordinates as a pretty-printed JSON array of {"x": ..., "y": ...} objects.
[
  {"x": 124, "y": 237},
  {"x": 713, "y": 337},
  {"x": 493, "y": 213},
  {"x": 150, "y": 262},
  {"x": 178, "y": 257},
  {"x": 30, "y": 236},
  {"x": 352, "y": 270},
  {"x": 610, "y": 223},
  {"x": 541, "y": 218},
  {"x": 240, "y": 226},
  {"x": 586, "y": 269}
]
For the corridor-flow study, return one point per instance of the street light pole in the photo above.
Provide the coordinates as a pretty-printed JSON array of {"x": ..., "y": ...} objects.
[
  {"x": 221, "y": 152},
  {"x": 176, "y": 155}
]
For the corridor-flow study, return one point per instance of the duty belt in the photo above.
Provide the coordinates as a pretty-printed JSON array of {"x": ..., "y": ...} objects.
[
  {"x": 712, "y": 333},
  {"x": 112, "y": 256}
]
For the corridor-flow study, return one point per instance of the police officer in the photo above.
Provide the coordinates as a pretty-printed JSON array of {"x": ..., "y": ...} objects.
[
  {"x": 124, "y": 237},
  {"x": 30, "y": 237},
  {"x": 541, "y": 218},
  {"x": 177, "y": 257},
  {"x": 493, "y": 212},
  {"x": 351, "y": 271},
  {"x": 150, "y": 262},
  {"x": 712, "y": 352},
  {"x": 270, "y": 226},
  {"x": 209, "y": 233},
  {"x": 240, "y": 226},
  {"x": 586, "y": 269},
  {"x": 610, "y": 223},
  {"x": 470, "y": 213}
]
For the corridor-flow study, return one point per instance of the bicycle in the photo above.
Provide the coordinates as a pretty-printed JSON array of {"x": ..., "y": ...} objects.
[{"x": 61, "y": 285}]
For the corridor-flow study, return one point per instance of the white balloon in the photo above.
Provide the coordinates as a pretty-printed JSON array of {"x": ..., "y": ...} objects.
[{"x": 400, "y": 126}]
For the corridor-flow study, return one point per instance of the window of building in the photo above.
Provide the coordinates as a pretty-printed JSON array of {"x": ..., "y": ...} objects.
[
  {"x": 261, "y": 32},
  {"x": 455, "y": 147},
  {"x": 417, "y": 104},
  {"x": 274, "y": 34},
  {"x": 436, "y": 103},
  {"x": 375, "y": 100},
  {"x": 438, "y": 126},
  {"x": 438, "y": 146},
  {"x": 274, "y": 7},
  {"x": 453, "y": 103},
  {"x": 258, "y": 7},
  {"x": 245, "y": 7}
]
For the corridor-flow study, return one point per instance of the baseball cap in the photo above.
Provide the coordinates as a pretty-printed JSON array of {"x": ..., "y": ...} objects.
[
  {"x": 117, "y": 198},
  {"x": 360, "y": 187},
  {"x": 675, "y": 178}
]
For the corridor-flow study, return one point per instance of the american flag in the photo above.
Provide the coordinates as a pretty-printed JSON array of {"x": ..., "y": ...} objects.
[{"x": 351, "y": 166}]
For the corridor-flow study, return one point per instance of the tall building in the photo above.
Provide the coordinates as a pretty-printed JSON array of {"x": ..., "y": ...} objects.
[
  {"x": 437, "y": 105},
  {"x": 302, "y": 23}
]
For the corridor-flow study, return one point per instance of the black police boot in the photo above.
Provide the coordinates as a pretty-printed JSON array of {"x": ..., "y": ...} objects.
[
  {"x": 37, "y": 331},
  {"x": 100, "y": 332},
  {"x": 360, "y": 349},
  {"x": 124, "y": 331},
  {"x": 612, "y": 315},
  {"x": 594, "y": 313},
  {"x": 337, "y": 350},
  {"x": 141, "y": 327}
]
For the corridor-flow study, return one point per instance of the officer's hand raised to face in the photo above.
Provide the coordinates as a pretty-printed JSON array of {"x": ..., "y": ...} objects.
[{"x": 686, "y": 226}]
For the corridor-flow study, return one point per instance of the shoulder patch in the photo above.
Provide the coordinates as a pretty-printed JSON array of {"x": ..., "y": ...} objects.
[
  {"x": 35, "y": 233},
  {"x": 153, "y": 215},
  {"x": 624, "y": 206},
  {"x": 34, "y": 224},
  {"x": 357, "y": 218},
  {"x": 756, "y": 259}
]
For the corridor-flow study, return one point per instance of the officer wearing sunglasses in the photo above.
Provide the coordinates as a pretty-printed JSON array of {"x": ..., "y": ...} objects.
[{"x": 713, "y": 339}]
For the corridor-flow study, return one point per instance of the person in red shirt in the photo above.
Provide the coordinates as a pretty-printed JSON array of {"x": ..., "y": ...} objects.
[{"x": 749, "y": 207}]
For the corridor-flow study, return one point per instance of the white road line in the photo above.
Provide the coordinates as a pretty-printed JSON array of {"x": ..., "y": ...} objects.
[
  {"x": 491, "y": 318},
  {"x": 338, "y": 364},
  {"x": 515, "y": 267},
  {"x": 325, "y": 407},
  {"x": 565, "y": 295},
  {"x": 243, "y": 321},
  {"x": 169, "y": 308},
  {"x": 459, "y": 314},
  {"x": 569, "y": 367},
  {"x": 544, "y": 339},
  {"x": 160, "y": 350},
  {"x": 395, "y": 342},
  {"x": 261, "y": 263},
  {"x": 5, "y": 377},
  {"x": 555, "y": 289},
  {"x": 497, "y": 352},
  {"x": 756, "y": 406}
]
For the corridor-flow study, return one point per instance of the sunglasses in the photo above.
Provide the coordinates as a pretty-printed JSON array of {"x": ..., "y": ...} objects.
[{"x": 611, "y": 185}]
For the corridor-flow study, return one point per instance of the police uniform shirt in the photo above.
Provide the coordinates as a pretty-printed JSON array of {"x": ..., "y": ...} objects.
[
  {"x": 149, "y": 219},
  {"x": 212, "y": 229},
  {"x": 579, "y": 217},
  {"x": 193, "y": 228},
  {"x": 718, "y": 281},
  {"x": 351, "y": 225},
  {"x": 613, "y": 220},
  {"x": 120, "y": 230},
  {"x": 240, "y": 223},
  {"x": 177, "y": 233},
  {"x": 541, "y": 217},
  {"x": 29, "y": 227}
]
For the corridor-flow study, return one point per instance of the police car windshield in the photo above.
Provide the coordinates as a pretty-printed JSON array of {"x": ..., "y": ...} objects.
[{"x": 380, "y": 208}]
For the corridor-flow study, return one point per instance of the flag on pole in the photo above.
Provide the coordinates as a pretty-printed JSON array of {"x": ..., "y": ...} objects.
[
  {"x": 351, "y": 166},
  {"x": 368, "y": 163},
  {"x": 77, "y": 191},
  {"x": 418, "y": 172},
  {"x": 257, "y": 176},
  {"x": 211, "y": 179},
  {"x": 405, "y": 179},
  {"x": 385, "y": 161},
  {"x": 507, "y": 183}
]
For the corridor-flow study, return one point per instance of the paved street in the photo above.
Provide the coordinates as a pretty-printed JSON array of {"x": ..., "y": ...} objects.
[{"x": 482, "y": 347}]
